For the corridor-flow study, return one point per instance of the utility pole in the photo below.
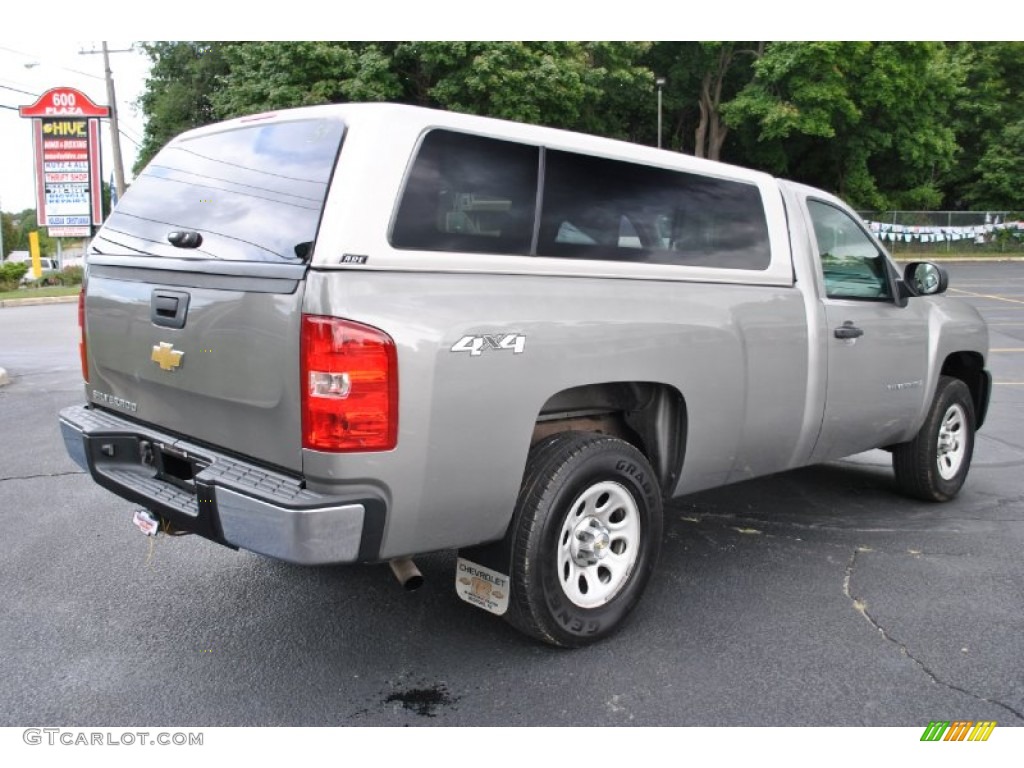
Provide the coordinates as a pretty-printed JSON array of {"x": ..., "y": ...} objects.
[{"x": 115, "y": 131}]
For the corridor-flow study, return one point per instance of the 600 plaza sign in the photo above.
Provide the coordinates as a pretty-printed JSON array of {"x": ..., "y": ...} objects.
[{"x": 66, "y": 140}]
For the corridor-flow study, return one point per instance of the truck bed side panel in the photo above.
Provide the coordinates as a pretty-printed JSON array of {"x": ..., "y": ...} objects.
[{"x": 736, "y": 353}]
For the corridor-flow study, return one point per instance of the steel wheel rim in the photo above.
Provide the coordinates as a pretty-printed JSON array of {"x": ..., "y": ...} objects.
[
  {"x": 952, "y": 442},
  {"x": 598, "y": 544}
]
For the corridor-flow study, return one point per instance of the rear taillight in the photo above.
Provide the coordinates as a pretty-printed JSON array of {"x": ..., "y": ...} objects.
[
  {"x": 349, "y": 386},
  {"x": 81, "y": 335}
]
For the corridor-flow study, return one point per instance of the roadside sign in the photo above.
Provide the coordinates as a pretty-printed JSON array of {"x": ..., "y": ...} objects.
[
  {"x": 66, "y": 141},
  {"x": 69, "y": 231}
]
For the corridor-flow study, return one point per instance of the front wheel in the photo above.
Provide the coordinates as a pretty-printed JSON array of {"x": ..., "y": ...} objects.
[
  {"x": 587, "y": 533},
  {"x": 934, "y": 465}
]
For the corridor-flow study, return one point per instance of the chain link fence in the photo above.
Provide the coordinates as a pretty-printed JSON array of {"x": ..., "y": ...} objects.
[{"x": 954, "y": 233}]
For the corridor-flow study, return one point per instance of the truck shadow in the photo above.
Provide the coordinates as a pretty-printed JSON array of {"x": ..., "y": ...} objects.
[{"x": 737, "y": 562}]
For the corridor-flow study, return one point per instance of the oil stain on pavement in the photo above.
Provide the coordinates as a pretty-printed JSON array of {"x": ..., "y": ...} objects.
[{"x": 423, "y": 701}]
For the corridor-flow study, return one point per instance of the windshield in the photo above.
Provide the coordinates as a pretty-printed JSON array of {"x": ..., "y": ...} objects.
[{"x": 253, "y": 193}]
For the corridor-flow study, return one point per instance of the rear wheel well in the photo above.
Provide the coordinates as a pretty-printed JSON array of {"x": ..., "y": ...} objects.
[
  {"x": 969, "y": 367},
  {"x": 650, "y": 416}
]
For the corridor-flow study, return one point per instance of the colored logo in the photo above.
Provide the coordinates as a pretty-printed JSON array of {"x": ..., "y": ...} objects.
[
  {"x": 166, "y": 356},
  {"x": 958, "y": 730}
]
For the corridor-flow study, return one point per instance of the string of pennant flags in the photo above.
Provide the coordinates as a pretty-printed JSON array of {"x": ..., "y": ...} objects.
[{"x": 925, "y": 233}]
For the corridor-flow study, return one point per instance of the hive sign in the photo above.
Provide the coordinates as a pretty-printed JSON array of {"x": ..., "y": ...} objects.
[{"x": 66, "y": 140}]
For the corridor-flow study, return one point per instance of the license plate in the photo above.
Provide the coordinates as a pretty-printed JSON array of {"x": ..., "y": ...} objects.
[{"x": 146, "y": 522}]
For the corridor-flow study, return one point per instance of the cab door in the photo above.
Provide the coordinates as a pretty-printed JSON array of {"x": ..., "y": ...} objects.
[{"x": 876, "y": 350}]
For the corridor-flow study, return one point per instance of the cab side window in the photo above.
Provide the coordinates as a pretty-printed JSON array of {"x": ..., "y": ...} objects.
[
  {"x": 853, "y": 267},
  {"x": 598, "y": 208}
]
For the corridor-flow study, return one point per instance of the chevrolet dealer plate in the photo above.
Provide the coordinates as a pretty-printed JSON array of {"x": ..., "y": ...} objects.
[{"x": 482, "y": 587}]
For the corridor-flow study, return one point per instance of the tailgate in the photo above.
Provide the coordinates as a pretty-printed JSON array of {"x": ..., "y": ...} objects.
[
  {"x": 229, "y": 376},
  {"x": 194, "y": 288}
]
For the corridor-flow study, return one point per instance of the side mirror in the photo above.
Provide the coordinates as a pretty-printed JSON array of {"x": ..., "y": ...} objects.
[{"x": 925, "y": 278}]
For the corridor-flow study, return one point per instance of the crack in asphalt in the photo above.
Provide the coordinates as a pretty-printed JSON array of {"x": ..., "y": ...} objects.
[
  {"x": 861, "y": 607},
  {"x": 734, "y": 519},
  {"x": 50, "y": 474},
  {"x": 796, "y": 539},
  {"x": 721, "y": 518}
]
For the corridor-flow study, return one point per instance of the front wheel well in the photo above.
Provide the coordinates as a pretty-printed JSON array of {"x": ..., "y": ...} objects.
[{"x": 969, "y": 367}]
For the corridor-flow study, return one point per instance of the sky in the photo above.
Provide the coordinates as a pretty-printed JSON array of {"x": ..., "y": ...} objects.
[{"x": 29, "y": 68}]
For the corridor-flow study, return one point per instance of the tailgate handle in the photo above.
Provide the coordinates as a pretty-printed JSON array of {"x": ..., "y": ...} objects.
[{"x": 168, "y": 308}]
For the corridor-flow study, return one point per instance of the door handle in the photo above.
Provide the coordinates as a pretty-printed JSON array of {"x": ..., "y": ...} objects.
[{"x": 848, "y": 331}]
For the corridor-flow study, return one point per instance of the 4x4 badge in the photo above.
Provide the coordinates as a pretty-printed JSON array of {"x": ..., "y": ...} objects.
[
  {"x": 475, "y": 345},
  {"x": 166, "y": 356}
]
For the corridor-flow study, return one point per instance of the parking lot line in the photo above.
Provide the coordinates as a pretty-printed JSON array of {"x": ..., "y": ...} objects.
[{"x": 986, "y": 296}]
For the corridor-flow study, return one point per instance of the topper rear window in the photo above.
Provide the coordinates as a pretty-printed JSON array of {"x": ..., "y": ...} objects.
[{"x": 254, "y": 193}]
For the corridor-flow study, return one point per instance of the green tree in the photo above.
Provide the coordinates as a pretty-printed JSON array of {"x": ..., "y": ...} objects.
[
  {"x": 586, "y": 86},
  {"x": 182, "y": 79},
  {"x": 7, "y": 233},
  {"x": 592, "y": 87},
  {"x": 1000, "y": 172},
  {"x": 623, "y": 105},
  {"x": 105, "y": 198},
  {"x": 888, "y": 124},
  {"x": 701, "y": 77},
  {"x": 721, "y": 62},
  {"x": 279, "y": 75},
  {"x": 541, "y": 83},
  {"x": 984, "y": 112},
  {"x": 869, "y": 121},
  {"x": 16, "y": 228}
]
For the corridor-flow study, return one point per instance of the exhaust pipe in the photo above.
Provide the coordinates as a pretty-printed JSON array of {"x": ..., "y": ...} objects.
[{"x": 407, "y": 573}]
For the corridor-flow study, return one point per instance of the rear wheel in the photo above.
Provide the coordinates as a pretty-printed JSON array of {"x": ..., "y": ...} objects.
[
  {"x": 587, "y": 533},
  {"x": 934, "y": 465}
]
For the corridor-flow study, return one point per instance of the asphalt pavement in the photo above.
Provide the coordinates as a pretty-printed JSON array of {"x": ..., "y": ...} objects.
[
  {"x": 5, "y": 377},
  {"x": 815, "y": 597}
]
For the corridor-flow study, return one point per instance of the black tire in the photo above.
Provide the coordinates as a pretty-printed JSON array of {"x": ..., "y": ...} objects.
[
  {"x": 572, "y": 480},
  {"x": 922, "y": 471}
]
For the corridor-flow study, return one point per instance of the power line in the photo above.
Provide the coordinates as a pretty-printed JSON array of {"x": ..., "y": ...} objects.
[
  {"x": 56, "y": 66},
  {"x": 18, "y": 90},
  {"x": 131, "y": 133},
  {"x": 109, "y": 50},
  {"x": 11, "y": 50},
  {"x": 133, "y": 141}
]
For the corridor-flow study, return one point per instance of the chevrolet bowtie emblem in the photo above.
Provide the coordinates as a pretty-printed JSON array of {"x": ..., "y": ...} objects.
[{"x": 166, "y": 356}]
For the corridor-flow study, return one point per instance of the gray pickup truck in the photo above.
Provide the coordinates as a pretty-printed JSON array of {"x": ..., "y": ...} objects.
[{"x": 363, "y": 332}]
